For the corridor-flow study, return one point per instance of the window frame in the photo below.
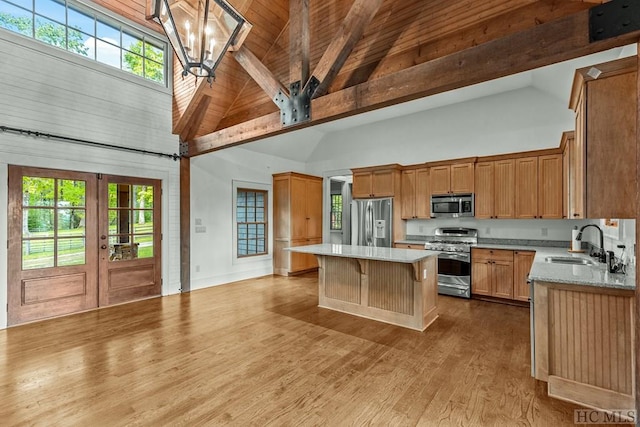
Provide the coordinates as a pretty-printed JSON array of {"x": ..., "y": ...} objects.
[
  {"x": 259, "y": 187},
  {"x": 106, "y": 16}
]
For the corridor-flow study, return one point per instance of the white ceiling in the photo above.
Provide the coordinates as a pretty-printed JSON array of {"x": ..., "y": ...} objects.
[{"x": 555, "y": 80}]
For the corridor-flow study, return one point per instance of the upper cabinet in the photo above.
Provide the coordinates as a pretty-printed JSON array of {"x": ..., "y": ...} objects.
[
  {"x": 538, "y": 183},
  {"x": 375, "y": 182},
  {"x": 415, "y": 193},
  {"x": 603, "y": 156},
  {"x": 494, "y": 189},
  {"x": 453, "y": 178}
]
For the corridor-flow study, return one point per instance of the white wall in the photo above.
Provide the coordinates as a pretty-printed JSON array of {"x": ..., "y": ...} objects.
[
  {"x": 212, "y": 176},
  {"x": 518, "y": 120},
  {"x": 52, "y": 91}
]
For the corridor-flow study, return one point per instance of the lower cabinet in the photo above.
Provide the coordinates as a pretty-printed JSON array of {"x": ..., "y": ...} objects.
[
  {"x": 501, "y": 273},
  {"x": 408, "y": 246},
  {"x": 302, "y": 262}
]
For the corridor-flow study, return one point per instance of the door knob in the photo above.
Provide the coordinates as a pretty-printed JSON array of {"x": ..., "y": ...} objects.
[
  {"x": 103, "y": 247},
  {"x": 103, "y": 237}
]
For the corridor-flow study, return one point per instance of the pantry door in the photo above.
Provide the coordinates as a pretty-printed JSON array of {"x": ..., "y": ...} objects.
[
  {"x": 53, "y": 244},
  {"x": 130, "y": 239}
]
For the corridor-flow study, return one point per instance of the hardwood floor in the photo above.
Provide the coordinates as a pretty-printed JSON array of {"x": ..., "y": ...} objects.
[{"x": 260, "y": 352}]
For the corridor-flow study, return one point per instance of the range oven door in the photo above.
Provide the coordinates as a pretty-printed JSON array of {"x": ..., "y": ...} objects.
[{"x": 454, "y": 274}]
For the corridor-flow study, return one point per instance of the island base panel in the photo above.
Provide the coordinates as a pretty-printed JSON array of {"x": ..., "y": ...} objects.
[{"x": 397, "y": 293}]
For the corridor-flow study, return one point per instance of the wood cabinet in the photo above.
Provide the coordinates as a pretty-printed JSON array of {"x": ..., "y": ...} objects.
[
  {"x": 494, "y": 189},
  {"x": 538, "y": 183},
  {"x": 575, "y": 321},
  {"x": 501, "y": 273},
  {"x": 415, "y": 194},
  {"x": 409, "y": 246},
  {"x": 492, "y": 272},
  {"x": 522, "y": 261},
  {"x": 297, "y": 206},
  {"x": 604, "y": 156},
  {"x": 567, "y": 144},
  {"x": 453, "y": 178},
  {"x": 375, "y": 182}
]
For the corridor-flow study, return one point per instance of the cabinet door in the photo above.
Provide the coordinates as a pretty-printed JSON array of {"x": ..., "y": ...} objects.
[
  {"x": 504, "y": 199},
  {"x": 361, "y": 187},
  {"x": 423, "y": 203},
  {"x": 550, "y": 186},
  {"x": 484, "y": 190},
  {"x": 440, "y": 177},
  {"x": 462, "y": 178},
  {"x": 502, "y": 279},
  {"x": 382, "y": 183},
  {"x": 522, "y": 261},
  {"x": 314, "y": 209},
  {"x": 311, "y": 261},
  {"x": 526, "y": 187},
  {"x": 577, "y": 177},
  {"x": 298, "y": 208},
  {"x": 299, "y": 261},
  {"x": 408, "y": 199},
  {"x": 611, "y": 166},
  {"x": 481, "y": 277}
]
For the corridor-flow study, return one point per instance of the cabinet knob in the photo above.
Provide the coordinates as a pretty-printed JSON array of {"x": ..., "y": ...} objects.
[{"x": 575, "y": 214}]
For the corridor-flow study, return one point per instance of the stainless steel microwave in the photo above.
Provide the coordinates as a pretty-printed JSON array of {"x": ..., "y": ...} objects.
[{"x": 452, "y": 206}]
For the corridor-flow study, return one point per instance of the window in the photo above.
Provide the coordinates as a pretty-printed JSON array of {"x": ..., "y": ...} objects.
[
  {"x": 130, "y": 221},
  {"x": 88, "y": 33},
  {"x": 251, "y": 222},
  {"x": 336, "y": 211},
  {"x": 53, "y": 233}
]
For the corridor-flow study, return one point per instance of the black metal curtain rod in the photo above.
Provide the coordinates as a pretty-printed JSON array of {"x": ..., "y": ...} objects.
[{"x": 173, "y": 156}]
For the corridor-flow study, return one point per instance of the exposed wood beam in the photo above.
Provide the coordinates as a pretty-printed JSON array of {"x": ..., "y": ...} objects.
[
  {"x": 203, "y": 89},
  {"x": 351, "y": 31},
  {"x": 545, "y": 44},
  {"x": 196, "y": 119},
  {"x": 299, "y": 45},
  {"x": 185, "y": 224},
  {"x": 259, "y": 72},
  {"x": 637, "y": 302}
]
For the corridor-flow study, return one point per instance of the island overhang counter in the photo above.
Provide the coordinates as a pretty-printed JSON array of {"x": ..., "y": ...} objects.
[{"x": 396, "y": 286}]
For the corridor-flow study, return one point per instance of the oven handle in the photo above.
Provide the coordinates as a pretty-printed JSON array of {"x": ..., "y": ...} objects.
[{"x": 455, "y": 256}]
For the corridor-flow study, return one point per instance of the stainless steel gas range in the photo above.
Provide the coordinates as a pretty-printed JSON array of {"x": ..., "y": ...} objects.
[{"x": 454, "y": 259}]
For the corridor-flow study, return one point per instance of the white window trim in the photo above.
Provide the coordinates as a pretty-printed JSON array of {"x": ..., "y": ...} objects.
[
  {"x": 77, "y": 60},
  {"x": 253, "y": 186}
]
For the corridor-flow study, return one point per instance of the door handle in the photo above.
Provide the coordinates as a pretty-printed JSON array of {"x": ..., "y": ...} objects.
[
  {"x": 103, "y": 247},
  {"x": 103, "y": 237}
]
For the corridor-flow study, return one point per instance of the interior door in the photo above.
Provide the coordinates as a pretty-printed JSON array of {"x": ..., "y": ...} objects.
[
  {"x": 130, "y": 239},
  {"x": 52, "y": 243}
]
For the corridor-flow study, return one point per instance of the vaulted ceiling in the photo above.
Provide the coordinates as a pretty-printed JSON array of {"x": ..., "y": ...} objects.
[{"x": 368, "y": 54}]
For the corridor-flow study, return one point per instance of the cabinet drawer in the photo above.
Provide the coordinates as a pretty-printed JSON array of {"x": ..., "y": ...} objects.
[
  {"x": 479, "y": 254},
  {"x": 409, "y": 246}
]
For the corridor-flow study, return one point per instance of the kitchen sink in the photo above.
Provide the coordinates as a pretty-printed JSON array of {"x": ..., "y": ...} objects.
[{"x": 568, "y": 260}]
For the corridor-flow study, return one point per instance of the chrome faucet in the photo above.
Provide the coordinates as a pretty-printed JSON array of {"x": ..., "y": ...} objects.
[{"x": 602, "y": 256}]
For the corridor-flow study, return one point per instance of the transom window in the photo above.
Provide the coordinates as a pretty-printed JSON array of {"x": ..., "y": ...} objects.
[
  {"x": 336, "y": 211},
  {"x": 251, "y": 222},
  {"x": 88, "y": 33}
]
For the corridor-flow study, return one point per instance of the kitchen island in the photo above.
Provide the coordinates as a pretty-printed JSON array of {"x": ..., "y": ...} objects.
[{"x": 396, "y": 286}]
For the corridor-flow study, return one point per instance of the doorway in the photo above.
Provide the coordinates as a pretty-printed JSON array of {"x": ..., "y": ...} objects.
[
  {"x": 340, "y": 209},
  {"x": 79, "y": 241}
]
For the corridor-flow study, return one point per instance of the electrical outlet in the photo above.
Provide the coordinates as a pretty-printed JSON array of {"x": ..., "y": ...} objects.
[
  {"x": 197, "y": 269},
  {"x": 421, "y": 228},
  {"x": 545, "y": 231},
  {"x": 487, "y": 231},
  {"x": 198, "y": 221},
  {"x": 201, "y": 228}
]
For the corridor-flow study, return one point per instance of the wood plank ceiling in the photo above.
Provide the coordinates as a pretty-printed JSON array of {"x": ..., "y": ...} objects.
[{"x": 402, "y": 35}]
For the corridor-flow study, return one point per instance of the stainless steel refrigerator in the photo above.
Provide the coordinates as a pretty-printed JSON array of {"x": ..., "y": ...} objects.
[{"x": 372, "y": 222}]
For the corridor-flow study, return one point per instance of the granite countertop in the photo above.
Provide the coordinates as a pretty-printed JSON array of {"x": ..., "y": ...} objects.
[
  {"x": 586, "y": 275},
  {"x": 406, "y": 256}
]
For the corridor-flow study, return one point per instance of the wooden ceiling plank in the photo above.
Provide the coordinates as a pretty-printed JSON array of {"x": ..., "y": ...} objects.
[
  {"x": 545, "y": 44},
  {"x": 299, "y": 44},
  {"x": 351, "y": 31},
  {"x": 260, "y": 73}
]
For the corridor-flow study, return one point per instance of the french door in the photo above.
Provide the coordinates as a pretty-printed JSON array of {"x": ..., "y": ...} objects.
[{"x": 78, "y": 241}]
